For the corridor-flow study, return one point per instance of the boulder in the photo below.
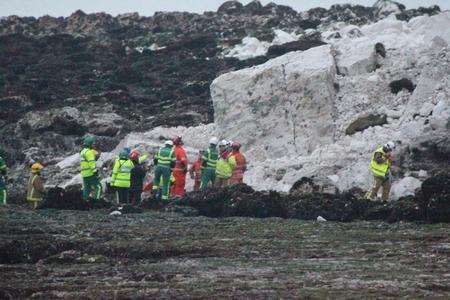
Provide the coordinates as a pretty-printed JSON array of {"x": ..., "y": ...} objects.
[
  {"x": 254, "y": 8},
  {"x": 364, "y": 122},
  {"x": 289, "y": 98},
  {"x": 307, "y": 185},
  {"x": 65, "y": 121},
  {"x": 397, "y": 85},
  {"x": 386, "y": 7},
  {"x": 406, "y": 186},
  {"x": 105, "y": 124},
  {"x": 231, "y": 7},
  {"x": 357, "y": 57}
]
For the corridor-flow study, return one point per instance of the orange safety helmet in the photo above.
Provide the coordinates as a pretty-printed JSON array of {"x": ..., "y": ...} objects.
[{"x": 177, "y": 140}]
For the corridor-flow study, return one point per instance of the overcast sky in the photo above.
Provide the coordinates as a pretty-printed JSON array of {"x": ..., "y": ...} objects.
[{"x": 148, "y": 7}]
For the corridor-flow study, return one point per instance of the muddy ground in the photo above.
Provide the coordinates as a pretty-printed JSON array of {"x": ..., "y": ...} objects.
[{"x": 89, "y": 254}]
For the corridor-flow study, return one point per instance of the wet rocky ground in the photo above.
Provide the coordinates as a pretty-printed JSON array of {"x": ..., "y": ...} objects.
[{"x": 89, "y": 254}]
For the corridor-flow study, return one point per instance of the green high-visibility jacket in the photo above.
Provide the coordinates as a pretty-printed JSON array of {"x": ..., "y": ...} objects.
[
  {"x": 225, "y": 167},
  {"x": 165, "y": 156},
  {"x": 121, "y": 176},
  {"x": 88, "y": 166},
  {"x": 210, "y": 158},
  {"x": 380, "y": 170}
]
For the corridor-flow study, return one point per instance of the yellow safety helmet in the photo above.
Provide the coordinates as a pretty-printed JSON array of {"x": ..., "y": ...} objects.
[{"x": 36, "y": 167}]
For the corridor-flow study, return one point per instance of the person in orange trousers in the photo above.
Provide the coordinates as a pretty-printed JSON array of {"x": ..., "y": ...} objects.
[
  {"x": 241, "y": 164},
  {"x": 180, "y": 170},
  {"x": 196, "y": 171}
]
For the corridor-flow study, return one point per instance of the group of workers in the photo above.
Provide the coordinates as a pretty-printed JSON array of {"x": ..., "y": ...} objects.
[{"x": 220, "y": 165}]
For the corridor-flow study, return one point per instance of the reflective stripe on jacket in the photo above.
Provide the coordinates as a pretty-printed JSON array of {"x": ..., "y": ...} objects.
[
  {"x": 211, "y": 156},
  {"x": 88, "y": 166},
  {"x": 33, "y": 194},
  {"x": 165, "y": 156},
  {"x": 380, "y": 170},
  {"x": 121, "y": 176}
]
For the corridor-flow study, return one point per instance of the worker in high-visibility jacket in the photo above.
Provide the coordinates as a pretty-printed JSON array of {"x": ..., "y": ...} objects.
[
  {"x": 35, "y": 188},
  {"x": 164, "y": 161},
  {"x": 209, "y": 163},
  {"x": 89, "y": 173},
  {"x": 225, "y": 165},
  {"x": 121, "y": 177},
  {"x": 3, "y": 172},
  {"x": 380, "y": 166}
]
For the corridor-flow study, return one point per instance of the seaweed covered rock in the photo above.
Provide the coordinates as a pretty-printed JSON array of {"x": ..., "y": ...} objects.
[
  {"x": 241, "y": 200},
  {"x": 307, "y": 201},
  {"x": 435, "y": 198},
  {"x": 71, "y": 198},
  {"x": 341, "y": 207}
]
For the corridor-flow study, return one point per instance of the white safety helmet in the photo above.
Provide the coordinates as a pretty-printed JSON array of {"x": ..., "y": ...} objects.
[
  {"x": 390, "y": 146},
  {"x": 223, "y": 143},
  {"x": 168, "y": 143},
  {"x": 213, "y": 141}
]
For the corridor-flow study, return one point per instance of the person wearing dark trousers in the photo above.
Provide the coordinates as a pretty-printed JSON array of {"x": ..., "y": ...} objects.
[{"x": 137, "y": 177}]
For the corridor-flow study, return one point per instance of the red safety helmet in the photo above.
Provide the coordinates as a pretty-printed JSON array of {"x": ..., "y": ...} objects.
[
  {"x": 177, "y": 140},
  {"x": 235, "y": 146},
  {"x": 134, "y": 155}
]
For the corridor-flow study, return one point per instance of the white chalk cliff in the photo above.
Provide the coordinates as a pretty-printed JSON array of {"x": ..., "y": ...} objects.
[{"x": 291, "y": 113}]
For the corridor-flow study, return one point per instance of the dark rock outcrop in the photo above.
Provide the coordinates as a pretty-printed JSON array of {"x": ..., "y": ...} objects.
[
  {"x": 71, "y": 198},
  {"x": 231, "y": 7},
  {"x": 397, "y": 85},
  {"x": 300, "y": 45},
  {"x": 380, "y": 49},
  {"x": 364, "y": 122},
  {"x": 431, "y": 204}
]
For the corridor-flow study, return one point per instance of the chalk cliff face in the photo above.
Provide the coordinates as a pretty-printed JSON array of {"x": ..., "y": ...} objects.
[
  {"x": 324, "y": 111},
  {"x": 317, "y": 83},
  {"x": 288, "y": 99}
]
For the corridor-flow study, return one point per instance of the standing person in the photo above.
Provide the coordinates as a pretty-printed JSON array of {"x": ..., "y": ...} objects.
[
  {"x": 225, "y": 165},
  {"x": 241, "y": 164},
  {"x": 89, "y": 170},
  {"x": 209, "y": 162},
  {"x": 35, "y": 188},
  {"x": 180, "y": 170},
  {"x": 121, "y": 177},
  {"x": 3, "y": 173},
  {"x": 164, "y": 161},
  {"x": 380, "y": 166},
  {"x": 137, "y": 177},
  {"x": 196, "y": 171}
]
